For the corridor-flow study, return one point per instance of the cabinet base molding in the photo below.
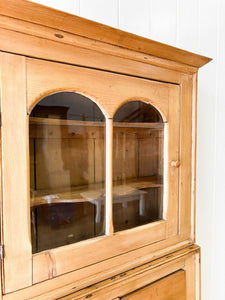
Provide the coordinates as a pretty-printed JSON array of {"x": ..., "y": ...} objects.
[{"x": 173, "y": 276}]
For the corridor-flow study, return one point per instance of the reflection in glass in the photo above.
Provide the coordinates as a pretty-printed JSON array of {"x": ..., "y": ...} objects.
[
  {"x": 67, "y": 153},
  {"x": 137, "y": 165}
]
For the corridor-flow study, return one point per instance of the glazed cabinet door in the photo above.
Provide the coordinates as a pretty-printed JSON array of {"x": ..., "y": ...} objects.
[{"x": 91, "y": 164}]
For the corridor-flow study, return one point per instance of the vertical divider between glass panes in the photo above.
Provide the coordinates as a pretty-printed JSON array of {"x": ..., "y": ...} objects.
[{"x": 108, "y": 180}]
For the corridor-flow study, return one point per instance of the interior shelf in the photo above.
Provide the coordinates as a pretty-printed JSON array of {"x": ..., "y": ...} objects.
[{"x": 93, "y": 192}]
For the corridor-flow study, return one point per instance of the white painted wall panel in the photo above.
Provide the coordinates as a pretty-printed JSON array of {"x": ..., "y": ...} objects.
[
  {"x": 134, "y": 16},
  {"x": 187, "y": 25},
  {"x": 163, "y": 21},
  {"x": 218, "y": 262},
  {"x": 208, "y": 38},
  {"x": 102, "y": 11},
  {"x": 70, "y": 6}
]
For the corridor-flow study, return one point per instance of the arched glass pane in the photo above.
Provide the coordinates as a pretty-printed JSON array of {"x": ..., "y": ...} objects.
[
  {"x": 137, "y": 165},
  {"x": 67, "y": 154}
]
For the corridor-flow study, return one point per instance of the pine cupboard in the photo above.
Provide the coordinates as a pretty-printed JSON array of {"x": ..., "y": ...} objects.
[{"x": 98, "y": 137}]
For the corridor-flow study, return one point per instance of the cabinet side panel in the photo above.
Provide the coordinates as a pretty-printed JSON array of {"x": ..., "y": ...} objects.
[
  {"x": 186, "y": 157},
  {"x": 194, "y": 79},
  {"x": 192, "y": 268},
  {"x": 16, "y": 213}
]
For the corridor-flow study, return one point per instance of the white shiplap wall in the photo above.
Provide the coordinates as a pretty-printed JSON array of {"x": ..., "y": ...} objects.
[{"x": 198, "y": 26}]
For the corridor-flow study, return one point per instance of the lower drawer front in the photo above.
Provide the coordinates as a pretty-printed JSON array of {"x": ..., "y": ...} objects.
[{"x": 172, "y": 287}]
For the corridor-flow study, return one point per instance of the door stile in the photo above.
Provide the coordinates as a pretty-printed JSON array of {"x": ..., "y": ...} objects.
[{"x": 15, "y": 174}]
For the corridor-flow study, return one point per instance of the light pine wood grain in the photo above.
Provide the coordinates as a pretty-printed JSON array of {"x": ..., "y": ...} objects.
[
  {"x": 108, "y": 90},
  {"x": 171, "y": 287},
  {"x": 79, "y": 255},
  {"x": 137, "y": 282},
  {"x": 192, "y": 268},
  {"x": 26, "y": 10},
  {"x": 87, "y": 276},
  {"x": 109, "y": 178},
  {"x": 15, "y": 179},
  {"x": 194, "y": 148},
  {"x": 173, "y": 155},
  {"x": 55, "y": 51},
  {"x": 82, "y": 42},
  {"x": 186, "y": 157}
]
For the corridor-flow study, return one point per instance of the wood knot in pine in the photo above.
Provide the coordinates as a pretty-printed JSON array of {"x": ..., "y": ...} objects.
[{"x": 60, "y": 36}]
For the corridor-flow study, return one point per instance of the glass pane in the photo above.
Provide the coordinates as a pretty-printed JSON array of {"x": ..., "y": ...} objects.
[
  {"x": 137, "y": 165},
  {"x": 67, "y": 154}
]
